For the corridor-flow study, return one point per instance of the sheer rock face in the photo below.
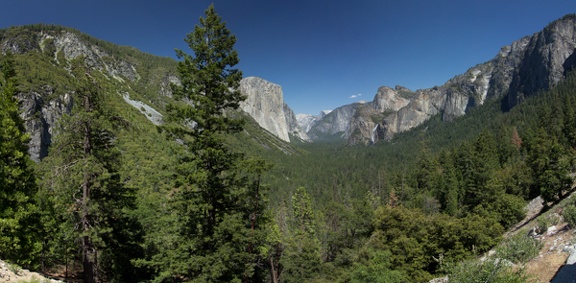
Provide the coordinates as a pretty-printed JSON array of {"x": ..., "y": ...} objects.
[
  {"x": 306, "y": 121},
  {"x": 548, "y": 56},
  {"x": 387, "y": 99},
  {"x": 40, "y": 118},
  {"x": 265, "y": 103}
]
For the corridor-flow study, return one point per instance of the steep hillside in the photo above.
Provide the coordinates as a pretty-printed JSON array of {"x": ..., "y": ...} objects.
[{"x": 44, "y": 56}]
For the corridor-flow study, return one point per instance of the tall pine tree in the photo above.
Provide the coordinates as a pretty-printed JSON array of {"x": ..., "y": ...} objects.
[
  {"x": 18, "y": 210},
  {"x": 83, "y": 186},
  {"x": 218, "y": 200}
]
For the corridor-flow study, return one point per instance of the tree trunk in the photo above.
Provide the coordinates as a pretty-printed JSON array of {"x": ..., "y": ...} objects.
[
  {"x": 273, "y": 270},
  {"x": 90, "y": 274}
]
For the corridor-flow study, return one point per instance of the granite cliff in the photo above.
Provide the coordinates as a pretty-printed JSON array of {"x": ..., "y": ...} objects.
[{"x": 265, "y": 103}]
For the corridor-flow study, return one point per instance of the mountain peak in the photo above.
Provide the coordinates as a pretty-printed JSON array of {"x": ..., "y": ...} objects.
[{"x": 265, "y": 103}]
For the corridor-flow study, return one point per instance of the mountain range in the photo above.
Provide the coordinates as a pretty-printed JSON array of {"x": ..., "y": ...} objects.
[{"x": 519, "y": 70}]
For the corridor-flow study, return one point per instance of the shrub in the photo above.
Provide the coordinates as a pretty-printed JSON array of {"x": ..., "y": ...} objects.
[
  {"x": 570, "y": 215},
  {"x": 519, "y": 249},
  {"x": 494, "y": 271},
  {"x": 543, "y": 224},
  {"x": 16, "y": 269}
]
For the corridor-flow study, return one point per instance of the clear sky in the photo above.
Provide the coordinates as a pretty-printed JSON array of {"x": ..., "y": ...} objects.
[{"x": 324, "y": 53}]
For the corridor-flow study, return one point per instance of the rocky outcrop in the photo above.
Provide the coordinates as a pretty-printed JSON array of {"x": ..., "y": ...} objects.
[
  {"x": 548, "y": 56},
  {"x": 366, "y": 125},
  {"x": 40, "y": 118},
  {"x": 451, "y": 100},
  {"x": 387, "y": 99},
  {"x": 166, "y": 84},
  {"x": 265, "y": 103},
  {"x": 307, "y": 121},
  {"x": 13, "y": 273},
  {"x": 150, "y": 113}
]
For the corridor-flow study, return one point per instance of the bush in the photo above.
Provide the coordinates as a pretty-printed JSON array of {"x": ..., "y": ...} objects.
[
  {"x": 570, "y": 215},
  {"x": 545, "y": 222},
  {"x": 494, "y": 271},
  {"x": 16, "y": 269},
  {"x": 519, "y": 249}
]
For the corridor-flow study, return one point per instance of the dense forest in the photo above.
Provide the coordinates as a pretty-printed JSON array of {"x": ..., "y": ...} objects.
[{"x": 209, "y": 197}]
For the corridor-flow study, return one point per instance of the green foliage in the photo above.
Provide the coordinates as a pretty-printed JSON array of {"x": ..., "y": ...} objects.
[
  {"x": 495, "y": 271},
  {"x": 19, "y": 221},
  {"x": 450, "y": 187},
  {"x": 569, "y": 214},
  {"x": 549, "y": 164},
  {"x": 414, "y": 238},
  {"x": 519, "y": 249},
  {"x": 302, "y": 212},
  {"x": 83, "y": 188},
  {"x": 375, "y": 266},
  {"x": 301, "y": 259},
  {"x": 218, "y": 201}
]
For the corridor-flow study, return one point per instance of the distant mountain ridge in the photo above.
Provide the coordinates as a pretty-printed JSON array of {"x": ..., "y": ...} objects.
[{"x": 521, "y": 69}]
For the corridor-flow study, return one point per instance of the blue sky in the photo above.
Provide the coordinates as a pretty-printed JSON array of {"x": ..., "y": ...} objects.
[{"x": 324, "y": 53}]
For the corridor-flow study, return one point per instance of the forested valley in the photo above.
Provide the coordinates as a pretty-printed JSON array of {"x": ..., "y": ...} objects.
[{"x": 210, "y": 197}]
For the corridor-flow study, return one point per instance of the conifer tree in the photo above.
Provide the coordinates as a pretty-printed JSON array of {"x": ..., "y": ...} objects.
[
  {"x": 549, "y": 164},
  {"x": 219, "y": 205},
  {"x": 18, "y": 211},
  {"x": 83, "y": 186},
  {"x": 302, "y": 258}
]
